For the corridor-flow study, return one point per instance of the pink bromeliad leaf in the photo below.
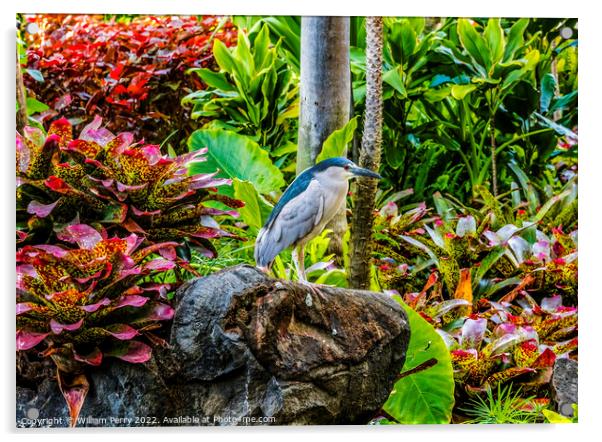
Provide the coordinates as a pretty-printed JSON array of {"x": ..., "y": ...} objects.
[
  {"x": 159, "y": 265},
  {"x": 131, "y": 301},
  {"x": 161, "y": 312},
  {"x": 135, "y": 352},
  {"x": 85, "y": 236},
  {"x": 29, "y": 339},
  {"x": 91, "y": 308},
  {"x": 57, "y": 327},
  {"x": 122, "y": 332},
  {"x": 23, "y": 307},
  {"x": 55, "y": 251},
  {"x": 41, "y": 210}
]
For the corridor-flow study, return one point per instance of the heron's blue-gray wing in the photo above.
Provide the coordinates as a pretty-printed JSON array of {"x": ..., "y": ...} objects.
[{"x": 295, "y": 221}]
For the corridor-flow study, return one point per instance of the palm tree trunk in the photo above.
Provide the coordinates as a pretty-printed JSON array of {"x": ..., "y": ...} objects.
[
  {"x": 22, "y": 112},
  {"x": 363, "y": 218},
  {"x": 325, "y": 101}
]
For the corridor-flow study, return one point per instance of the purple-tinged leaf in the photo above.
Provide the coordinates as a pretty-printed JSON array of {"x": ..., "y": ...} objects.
[
  {"x": 23, "y": 307},
  {"x": 131, "y": 301},
  {"x": 27, "y": 269},
  {"x": 473, "y": 332},
  {"x": 132, "y": 242},
  {"x": 41, "y": 210},
  {"x": 551, "y": 304},
  {"x": 168, "y": 253},
  {"x": 85, "y": 236},
  {"x": 57, "y": 327},
  {"x": 94, "y": 358},
  {"x": 122, "y": 332},
  {"x": 56, "y": 251},
  {"x": 504, "y": 329},
  {"x": 29, "y": 339},
  {"x": 91, "y": 308},
  {"x": 467, "y": 225},
  {"x": 127, "y": 188}
]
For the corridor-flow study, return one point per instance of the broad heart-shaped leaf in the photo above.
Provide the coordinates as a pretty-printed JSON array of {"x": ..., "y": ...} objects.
[
  {"x": 425, "y": 397},
  {"x": 256, "y": 209},
  {"x": 236, "y": 156},
  {"x": 336, "y": 143}
]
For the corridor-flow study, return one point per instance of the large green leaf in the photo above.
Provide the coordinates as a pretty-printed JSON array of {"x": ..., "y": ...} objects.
[
  {"x": 425, "y": 397},
  {"x": 548, "y": 88},
  {"x": 515, "y": 38},
  {"x": 474, "y": 43},
  {"x": 335, "y": 144},
  {"x": 217, "y": 80},
  {"x": 494, "y": 34},
  {"x": 256, "y": 209},
  {"x": 236, "y": 156}
]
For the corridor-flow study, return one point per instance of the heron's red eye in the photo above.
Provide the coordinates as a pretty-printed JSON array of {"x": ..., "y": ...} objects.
[{"x": 347, "y": 167}]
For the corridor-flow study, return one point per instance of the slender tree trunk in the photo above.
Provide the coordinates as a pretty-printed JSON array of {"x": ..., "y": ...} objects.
[
  {"x": 325, "y": 101},
  {"x": 363, "y": 217},
  {"x": 493, "y": 157},
  {"x": 22, "y": 112}
]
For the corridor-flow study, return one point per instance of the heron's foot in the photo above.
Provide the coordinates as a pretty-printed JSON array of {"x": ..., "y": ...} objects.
[{"x": 313, "y": 289}]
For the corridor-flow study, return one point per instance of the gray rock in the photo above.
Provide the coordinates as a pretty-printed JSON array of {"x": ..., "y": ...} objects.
[
  {"x": 249, "y": 350},
  {"x": 564, "y": 385}
]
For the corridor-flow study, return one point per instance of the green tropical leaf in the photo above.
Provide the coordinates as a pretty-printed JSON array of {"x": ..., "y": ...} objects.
[
  {"x": 336, "y": 143},
  {"x": 515, "y": 38},
  {"x": 474, "y": 43},
  {"x": 548, "y": 88},
  {"x": 394, "y": 79},
  {"x": 494, "y": 34},
  {"x": 34, "y": 106},
  {"x": 223, "y": 57},
  {"x": 236, "y": 156},
  {"x": 459, "y": 91},
  {"x": 256, "y": 209},
  {"x": 425, "y": 397},
  {"x": 217, "y": 80}
]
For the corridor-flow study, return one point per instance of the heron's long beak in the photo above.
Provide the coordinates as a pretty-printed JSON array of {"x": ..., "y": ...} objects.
[{"x": 359, "y": 171}]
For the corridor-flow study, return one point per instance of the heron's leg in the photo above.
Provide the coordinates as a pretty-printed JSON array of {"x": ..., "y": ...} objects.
[{"x": 299, "y": 260}]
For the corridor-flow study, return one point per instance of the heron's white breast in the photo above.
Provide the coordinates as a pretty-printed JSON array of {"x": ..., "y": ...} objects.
[{"x": 334, "y": 185}]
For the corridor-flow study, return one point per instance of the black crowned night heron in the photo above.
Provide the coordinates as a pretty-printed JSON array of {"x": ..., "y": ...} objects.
[{"x": 306, "y": 206}]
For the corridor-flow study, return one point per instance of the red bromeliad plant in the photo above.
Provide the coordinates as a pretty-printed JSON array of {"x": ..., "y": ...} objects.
[
  {"x": 130, "y": 70},
  {"x": 82, "y": 305},
  {"x": 109, "y": 180}
]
